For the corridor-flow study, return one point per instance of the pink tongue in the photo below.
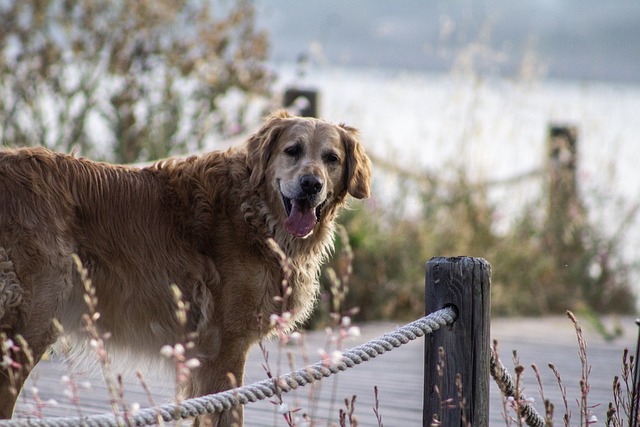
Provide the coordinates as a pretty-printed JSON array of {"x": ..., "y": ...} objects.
[{"x": 301, "y": 220}]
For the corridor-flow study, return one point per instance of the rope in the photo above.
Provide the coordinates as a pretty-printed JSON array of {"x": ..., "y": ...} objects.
[
  {"x": 261, "y": 390},
  {"x": 502, "y": 377}
]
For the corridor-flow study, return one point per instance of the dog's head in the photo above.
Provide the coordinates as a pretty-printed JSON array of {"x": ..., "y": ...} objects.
[{"x": 308, "y": 166}]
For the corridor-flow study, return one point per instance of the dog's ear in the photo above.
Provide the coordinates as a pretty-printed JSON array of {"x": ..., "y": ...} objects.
[
  {"x": 358, "y": 163},
  {"x": 261, "y": 145}
]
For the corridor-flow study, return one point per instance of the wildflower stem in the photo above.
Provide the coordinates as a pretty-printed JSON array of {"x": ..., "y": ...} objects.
[{"x": 633, "y": 416}]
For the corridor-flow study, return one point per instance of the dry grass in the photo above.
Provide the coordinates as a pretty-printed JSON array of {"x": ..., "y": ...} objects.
[{"x": 619, "y": 410}]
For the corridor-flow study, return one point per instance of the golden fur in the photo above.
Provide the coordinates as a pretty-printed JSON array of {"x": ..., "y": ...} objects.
[{"x": 202, "y": 223}]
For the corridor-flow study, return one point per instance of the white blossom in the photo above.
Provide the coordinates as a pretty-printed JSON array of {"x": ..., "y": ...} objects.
[
  {"x": 192, "y": 363},
  {"x": 283, "y": 408},
  {"x": 353, "y": 331},
  {"x": 6, "y": 361},
  {"x": 273, "y": 319},
  {"x": 166, "y": 351},
  {"x": 135, "y": 408},
  {"x": 178, "y": 349}
]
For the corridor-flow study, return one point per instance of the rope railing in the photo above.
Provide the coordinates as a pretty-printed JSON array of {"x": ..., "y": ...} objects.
[
  {"x": 505, "y": 383},
  {"x": 261, "y": 390}
]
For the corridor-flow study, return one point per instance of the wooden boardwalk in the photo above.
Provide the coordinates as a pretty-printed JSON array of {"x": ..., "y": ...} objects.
[{"x": 397, "y": 374}]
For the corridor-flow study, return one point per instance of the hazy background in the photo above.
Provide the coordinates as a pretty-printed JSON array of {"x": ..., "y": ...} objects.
[
  {"x": 571, "y": 39},
  {"x": 442, "y": 85}
]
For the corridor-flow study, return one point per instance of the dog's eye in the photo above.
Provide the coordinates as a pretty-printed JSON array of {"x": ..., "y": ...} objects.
[
  {"x": 293, "y": 151},
  {"x": 331, "y": 158}
]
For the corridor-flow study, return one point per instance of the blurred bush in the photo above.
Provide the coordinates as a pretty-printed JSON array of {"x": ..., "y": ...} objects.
[
  {"x": 529, "y": 277},
  {"x": 136, "y": 79}
]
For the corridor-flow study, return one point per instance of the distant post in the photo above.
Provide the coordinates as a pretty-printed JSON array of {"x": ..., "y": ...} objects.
[
  {"x": 565, "y": 217},
  {"x": 303, "y": 101},
  {"x": 562, "y": 149},
  {"x": 463, "y": 282}
]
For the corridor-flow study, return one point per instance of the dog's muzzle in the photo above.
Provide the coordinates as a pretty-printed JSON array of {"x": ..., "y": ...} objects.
[{"x": 302, "y": 215}]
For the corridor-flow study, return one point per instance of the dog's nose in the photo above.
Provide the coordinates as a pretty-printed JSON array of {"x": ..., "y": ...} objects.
[{"x": 311, "y": 184}]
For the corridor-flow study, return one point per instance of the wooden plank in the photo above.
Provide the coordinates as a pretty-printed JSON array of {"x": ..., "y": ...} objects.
[{"x": 398, "y": 375}]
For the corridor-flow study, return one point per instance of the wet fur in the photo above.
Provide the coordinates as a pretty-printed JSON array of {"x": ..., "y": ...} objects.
[{"x": 202, "y": 223}]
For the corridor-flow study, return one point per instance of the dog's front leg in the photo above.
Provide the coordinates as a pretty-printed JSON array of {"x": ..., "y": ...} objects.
[
  {"x": 218, "y": 374},
  {"x": 221, "y": 381},
  {"x": 231, "y": 418}
]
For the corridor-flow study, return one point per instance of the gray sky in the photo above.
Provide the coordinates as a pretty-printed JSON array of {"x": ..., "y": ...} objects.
[{"x": 568, "y": 39}]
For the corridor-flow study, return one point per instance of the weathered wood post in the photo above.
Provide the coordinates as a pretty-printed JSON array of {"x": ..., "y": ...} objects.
[
  {"x": 463, "y": 282},
  {"x": 564, "y": 209},
  {"x": 305, "y": 101},
  {"x": 562, "y": 166},
  {"x": 564, "y": 225}
]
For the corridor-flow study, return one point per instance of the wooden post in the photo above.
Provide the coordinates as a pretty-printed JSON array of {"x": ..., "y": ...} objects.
[
  {"x": 562, "y": 151},
  {"x": 564, "y": 207},
  {"x": 304, "y": 100},
  {"x": 563, "y": 231},
  {"x": 464, "y": 283}
]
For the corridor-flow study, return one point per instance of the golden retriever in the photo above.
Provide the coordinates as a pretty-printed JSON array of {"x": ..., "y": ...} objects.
[{"x": 202, "y": 223}]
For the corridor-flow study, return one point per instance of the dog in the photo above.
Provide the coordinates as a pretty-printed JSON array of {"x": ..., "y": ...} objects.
[{"x": 205, "y": 224}]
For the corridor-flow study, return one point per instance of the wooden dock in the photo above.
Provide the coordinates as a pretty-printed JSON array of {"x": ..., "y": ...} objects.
[{"x": 397, "y": 374}]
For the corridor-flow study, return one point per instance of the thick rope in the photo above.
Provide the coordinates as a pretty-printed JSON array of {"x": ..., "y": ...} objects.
[
  {"x": 502, "y": 377},
  {"x": 220, "y": 402}
]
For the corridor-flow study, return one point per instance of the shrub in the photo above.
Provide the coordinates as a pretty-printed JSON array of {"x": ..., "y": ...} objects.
[
  {"x": 127, "y": 80},
  {"x": 529, "y": 276}
]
